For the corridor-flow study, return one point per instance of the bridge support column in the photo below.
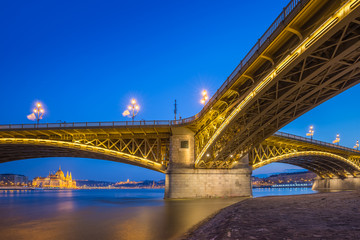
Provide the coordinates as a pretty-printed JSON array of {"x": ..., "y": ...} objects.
[
  {"x": 184, "y": 181},
  {"x": 349, "y": 183},
  {"x": 208, "y": 183}
]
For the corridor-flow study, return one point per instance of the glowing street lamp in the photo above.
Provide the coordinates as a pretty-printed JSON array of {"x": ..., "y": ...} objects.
[
  {"x": 357, "y": 145},
  {"x": 133, "y": 108},
  {"x": 204, "y": 98},
  {"x": 337, "y": 139},
  {"x": 38, "y": 112},
  {"x": 311, "y": 132}
]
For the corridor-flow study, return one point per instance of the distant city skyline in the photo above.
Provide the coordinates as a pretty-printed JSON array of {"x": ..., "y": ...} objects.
[{"x": 85, "y": 62}]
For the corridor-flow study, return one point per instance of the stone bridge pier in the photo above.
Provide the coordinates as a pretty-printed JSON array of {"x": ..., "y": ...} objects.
[
  {"x": 336, "y": 184},
  {"x": 183, "y": 180}
]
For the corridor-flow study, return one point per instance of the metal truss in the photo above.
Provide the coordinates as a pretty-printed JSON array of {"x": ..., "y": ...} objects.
[
  {"x": 322, "y": 162},
  {"x": 145, "y": 150},
  {"x": 324, "y": 65}
]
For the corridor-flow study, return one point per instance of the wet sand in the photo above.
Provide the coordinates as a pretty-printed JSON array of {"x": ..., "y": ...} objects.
[{"x": 313, "y": 216}]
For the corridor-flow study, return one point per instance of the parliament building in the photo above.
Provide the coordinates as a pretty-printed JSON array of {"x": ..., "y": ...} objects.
[{"x": 57, "y": 180}]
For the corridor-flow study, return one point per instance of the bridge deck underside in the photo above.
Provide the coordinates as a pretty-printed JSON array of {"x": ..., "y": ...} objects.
[
  {"x": 326, "y": 69},
  {"x": 146, "y": 147},
  {"x": 326, "y": 160},
  {"x": 325, "y": 167},
  {"x": 12, "y": 152}
]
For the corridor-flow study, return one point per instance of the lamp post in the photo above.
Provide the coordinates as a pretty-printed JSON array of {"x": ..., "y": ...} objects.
[
  {"x": 337, "y": 139},
  {"x": 39, "y": 112},
  {"x": 133, "y": 108},
  {"x": 205, "y": 97},
  {"x": 357, "y": 145},
  {"x": 175, "y": 110},
  {"x": 311, "y": 132}
]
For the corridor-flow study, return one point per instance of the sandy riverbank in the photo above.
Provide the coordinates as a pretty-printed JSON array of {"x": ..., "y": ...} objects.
[{"x": 314, "y": 216}]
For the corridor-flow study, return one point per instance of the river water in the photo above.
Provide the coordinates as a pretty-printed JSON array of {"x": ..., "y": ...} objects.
[{"x": 107, "y": 214}]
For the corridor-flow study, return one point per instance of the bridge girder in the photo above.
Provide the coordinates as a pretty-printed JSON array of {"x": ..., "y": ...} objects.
[
  {"x": 324, "y": 160},
  {"x": 149, "y": 151},
  {"x": 326, "y": 66}
]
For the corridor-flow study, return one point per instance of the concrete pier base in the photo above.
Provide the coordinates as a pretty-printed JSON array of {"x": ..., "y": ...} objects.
[
  {"x": 208, "y": 183},
  {"x": 183, "y": 180},
  {"x": 350, "y": 183}
]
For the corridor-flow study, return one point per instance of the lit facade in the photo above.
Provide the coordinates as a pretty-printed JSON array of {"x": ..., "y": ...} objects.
[
  {"x": 57, "y": 180},
  {"x": 13, "y": 179}
]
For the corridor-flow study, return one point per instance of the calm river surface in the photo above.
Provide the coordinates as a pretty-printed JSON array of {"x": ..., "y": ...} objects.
[{"x": 107, "y": 214}]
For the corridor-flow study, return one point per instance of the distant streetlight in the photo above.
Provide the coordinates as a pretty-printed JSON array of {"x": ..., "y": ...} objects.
[
  {"x": 133, "y": 109},
  {"x": 337, "y": 139},
  {"x": 357, "y": 145},
  {"x": 205, "y": 97},
  {"x": 37, "y": 114},
  {"x": 311, "y": 132}
]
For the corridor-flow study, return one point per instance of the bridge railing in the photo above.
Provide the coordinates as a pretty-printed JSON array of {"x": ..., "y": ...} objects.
[
  {"x": 96, "y": 124},
  {"x": 88, "y": 124},
  {"x": 309, "y": 140},
  {"x": 279, "y": 22}
]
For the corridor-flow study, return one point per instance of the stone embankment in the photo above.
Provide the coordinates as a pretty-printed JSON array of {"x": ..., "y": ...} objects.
[{"x": 315, "y": 216}]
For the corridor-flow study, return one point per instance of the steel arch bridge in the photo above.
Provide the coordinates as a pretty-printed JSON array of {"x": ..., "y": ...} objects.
[
  {"x": 309, "y": 54},
  {"x": 149, "y": 147},
  {"x": 325, "y": 159}
]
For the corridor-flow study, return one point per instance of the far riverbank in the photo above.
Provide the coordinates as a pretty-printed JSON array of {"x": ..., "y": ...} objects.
[{"x": 313, "y": 216}]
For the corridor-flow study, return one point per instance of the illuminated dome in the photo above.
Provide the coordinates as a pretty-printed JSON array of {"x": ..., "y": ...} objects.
[{"x": 60, "y": 173}]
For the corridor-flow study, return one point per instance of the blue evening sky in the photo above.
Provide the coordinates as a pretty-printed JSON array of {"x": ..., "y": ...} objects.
[{"x": 85, "y": 60}]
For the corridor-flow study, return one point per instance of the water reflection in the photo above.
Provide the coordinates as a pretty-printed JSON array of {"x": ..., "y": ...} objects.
[
  {"x": 102, "y": 214},
  {"x": 262, "y": 192}
]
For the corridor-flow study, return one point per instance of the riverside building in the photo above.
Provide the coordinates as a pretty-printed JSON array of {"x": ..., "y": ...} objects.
[
  {"x": 57, "y": 180},
  {"x": 13, "y": 179}
]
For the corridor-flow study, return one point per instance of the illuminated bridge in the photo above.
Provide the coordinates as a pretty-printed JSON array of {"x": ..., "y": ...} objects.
[{"x": 308, "y": 55}]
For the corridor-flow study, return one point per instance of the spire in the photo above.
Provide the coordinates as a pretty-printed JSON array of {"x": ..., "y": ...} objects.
[
  {"x": 67, "y": 175},
  {"x": 70, "y": 176},
  {"x": 59, "y": 167}
]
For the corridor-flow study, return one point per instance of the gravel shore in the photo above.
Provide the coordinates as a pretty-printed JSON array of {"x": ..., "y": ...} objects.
[{"x": 313, "y": 216}]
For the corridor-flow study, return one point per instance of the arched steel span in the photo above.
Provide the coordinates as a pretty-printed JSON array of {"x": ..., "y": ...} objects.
[
  {"x": 24, "y": 148},
  {"x": 309, "y": 54},
  {"x": 289, "y": 78},
  {"x": 324, "y": 164}
]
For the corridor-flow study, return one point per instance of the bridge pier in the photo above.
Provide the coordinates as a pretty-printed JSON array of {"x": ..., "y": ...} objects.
[
  {"x": 208, "y": 183},
  {"x": 184, "y": 181},
  {"x": 349, "y": 183}
]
